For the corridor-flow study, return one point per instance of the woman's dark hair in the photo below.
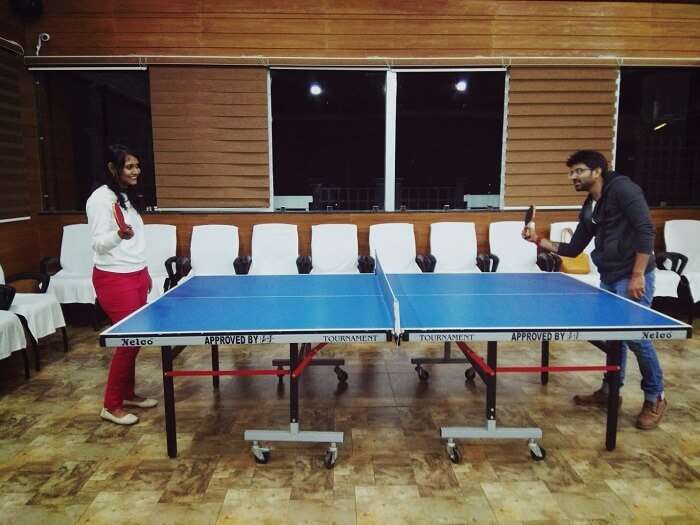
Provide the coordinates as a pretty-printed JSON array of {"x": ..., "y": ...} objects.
[
  {"x": 116, "y": 154},
  {"x": 591, "y": 158}
]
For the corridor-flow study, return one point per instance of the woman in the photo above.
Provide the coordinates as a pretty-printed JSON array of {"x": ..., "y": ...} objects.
[{"x": 120, "y": 275}]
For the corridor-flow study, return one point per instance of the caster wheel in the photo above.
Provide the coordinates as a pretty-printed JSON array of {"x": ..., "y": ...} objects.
[
  {"x": 454, "y": 454},
  {"x": 469, "y": 374},
  {"x": 330, "y": 459},
  {"x": 261, "y": 454},
  {"x": 331, "y": 456},
  {"x": 543, "y": 454},
  {"x": 263, "y": 458},
  {"x": 341, "y": 374},
  {"x": 423, "y": 374},
  {"x": 536, "y": 452}
]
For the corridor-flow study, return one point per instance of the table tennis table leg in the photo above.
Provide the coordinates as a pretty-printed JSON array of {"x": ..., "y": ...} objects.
[
  {"x": 491, "y": 430},
  {"x": 293, "y": 386},
  {"x": 169, "y": 401},
  {"x": 215, "y": 364},
  {"x": 544, "y": 376},
  {"x": 613, "y": 357},
  {"x": 492, "y": 361},
  {"x": 294, "y": 434}
]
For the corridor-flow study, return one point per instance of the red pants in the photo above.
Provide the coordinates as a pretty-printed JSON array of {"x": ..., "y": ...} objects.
[{"x": 119, "y": 295}]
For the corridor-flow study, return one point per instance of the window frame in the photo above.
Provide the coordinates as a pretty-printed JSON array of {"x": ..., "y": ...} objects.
[
  {"x": 271, "y": 145},
  {"x": 390, "y": 124},
  {"x": 617, "y": 123},
  {"x": 504, "y": 132},
  {"x": 40, "y": 126}
]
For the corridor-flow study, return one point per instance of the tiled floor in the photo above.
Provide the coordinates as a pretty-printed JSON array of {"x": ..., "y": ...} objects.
[{"x": 60, "y": 464}]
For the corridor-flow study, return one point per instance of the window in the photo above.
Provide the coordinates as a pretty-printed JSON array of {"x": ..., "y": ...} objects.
[
  {"x": 80, "y": 113},
  {"x": 658, "y": 141},
  {"x": 449, "y": 137},
  {"x": 329, "y": 132},
  {"x": 328, "y": 139}
]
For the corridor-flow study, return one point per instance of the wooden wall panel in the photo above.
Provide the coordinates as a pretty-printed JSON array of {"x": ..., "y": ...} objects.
[
  {"x": 19, "y": 241},
  {"x": 543, "y": 132},
  {"x": 18, "y": 249},
  {"x": 405, "y": 29},
  {"x": 52, "y": 225},
  {"x": 13, "y": 183},
  {"x": 210, "y": 151}
]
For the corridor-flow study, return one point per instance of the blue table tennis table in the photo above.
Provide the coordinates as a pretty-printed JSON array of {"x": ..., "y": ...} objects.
[{"x": 376, "y": 307}]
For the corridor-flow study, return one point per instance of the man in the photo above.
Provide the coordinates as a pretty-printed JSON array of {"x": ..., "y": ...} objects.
[{"x": 616, "y": 214}]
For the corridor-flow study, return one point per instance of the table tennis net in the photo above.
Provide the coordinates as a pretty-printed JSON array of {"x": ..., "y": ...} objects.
[{"x": 388, "y": 295}]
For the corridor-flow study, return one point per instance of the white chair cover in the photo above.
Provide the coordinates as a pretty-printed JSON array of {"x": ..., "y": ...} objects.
[
  {"x": 666, "y": 283},
  {"x": 213, "y": 248},
  {"x": 454, "y": 246},
  {"x": 161, "y": 242},
  {"x": 11, "y": 334},
  {"x": 41, "y": 310},
  {"x": 395, "y": 245},
  {"x": 683, "y": 236},
  {"x": 73, "y": 283},
  {"x": 334, "y": 248},
  {"x": 516, "y": 255},
  {"x": 274, "y": 250},
  {"x": 592, "y": 277}
]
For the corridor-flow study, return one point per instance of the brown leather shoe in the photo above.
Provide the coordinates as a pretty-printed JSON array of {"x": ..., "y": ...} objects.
[
  {"x": 651, "y": 414},
  {"x": 597, "y": 398}
]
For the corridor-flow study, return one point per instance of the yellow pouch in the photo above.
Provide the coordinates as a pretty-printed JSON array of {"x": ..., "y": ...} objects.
[{"x": 578, "y": 264}]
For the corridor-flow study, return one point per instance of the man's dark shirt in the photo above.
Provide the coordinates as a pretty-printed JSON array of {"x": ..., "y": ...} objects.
[{"x": 621, "y": 225}]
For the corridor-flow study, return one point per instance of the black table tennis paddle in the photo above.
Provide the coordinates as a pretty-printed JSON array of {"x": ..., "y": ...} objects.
[{"x": 529, "y": 215}]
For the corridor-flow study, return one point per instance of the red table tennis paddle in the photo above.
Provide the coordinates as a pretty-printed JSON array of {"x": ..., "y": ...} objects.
[{"x": 119, "y": 217}]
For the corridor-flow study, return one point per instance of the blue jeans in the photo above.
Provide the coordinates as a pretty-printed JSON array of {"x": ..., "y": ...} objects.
[{"x": 652, "y": 376}]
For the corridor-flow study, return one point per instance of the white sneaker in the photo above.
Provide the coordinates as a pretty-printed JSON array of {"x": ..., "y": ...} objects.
[
  {"x": 144, "y": 403},
  {"x": 128, "y": 419}
]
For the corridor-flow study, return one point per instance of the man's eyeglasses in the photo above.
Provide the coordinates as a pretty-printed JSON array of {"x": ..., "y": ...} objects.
[{"x": 578, "y": 172}]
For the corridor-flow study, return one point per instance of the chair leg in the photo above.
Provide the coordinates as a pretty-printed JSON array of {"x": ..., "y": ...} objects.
[
  {"x": 35, "y": 348},
  {"x": 25, "y": 359},
  {"x": 94, "y": 316},
  {"x": 65, "y": 339},
  {"x": 33, "y": 342},
  {"x": 685, "y": 296}
]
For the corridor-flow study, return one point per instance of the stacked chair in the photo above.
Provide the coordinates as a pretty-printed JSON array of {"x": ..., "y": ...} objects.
[
  {"x": 453, "y": 249},
  {"x": 275, "y": 251},
  {"x": 556, "y": 229},
  {"x": 71, "y": 273},
  {"x": 39, "y": 313},
  {"x": 161, "y": 242},
  {"x": 213, "y": 251},
  {"x": 515, "y": 254},
  {"x": 682, "y": 256},
  {"x": 11, "y": 329},
  {"x": 395, "y": 245}
]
